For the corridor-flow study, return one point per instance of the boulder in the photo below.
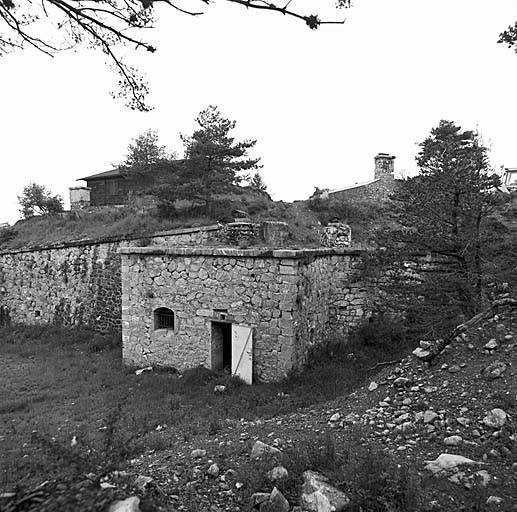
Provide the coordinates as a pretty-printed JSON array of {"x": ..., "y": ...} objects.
[
  {"x": 257, "y": 498},
  {"x": 421, "y": 353},
  {"x": 494, "y": 370},
  {"x": 277, "y": 473},
  {"x": 430, "y": 416},
  {"x": 448, "y": 462},
  {"x": 496, "y": 418},
  {"x": 128, "y": 505},
  {"x": 319, "y": 496},
  {"x": 275, "y": 503},
  {"x": 213, "y": 470},
  {"x": 453, "y": 440},
  {"x": 261, "y": 449},
  {"x": 491, "y": 345},
  {"x": 373, "y": 386},
  {"x": 198, "y": 453}
]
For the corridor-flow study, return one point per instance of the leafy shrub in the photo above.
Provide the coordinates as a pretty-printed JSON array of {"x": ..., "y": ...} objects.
[
  {"x": 380, "y": 331},
  {"x": 198, "y": 377},
  {"x": 377, "y": 484}
]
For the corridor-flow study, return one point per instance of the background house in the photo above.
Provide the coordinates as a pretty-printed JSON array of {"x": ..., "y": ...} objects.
[
  {"x": 113, "y": 187},
  {"x": 378, "y": 188},
  {"x": 510, "y": 178}
]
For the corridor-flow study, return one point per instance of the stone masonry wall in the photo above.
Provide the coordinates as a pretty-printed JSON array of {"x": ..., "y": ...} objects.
[
  {"x": 287, "y": 297},
  {"x": 331, "y": 301},
  {"x": 74, "y": 284},
  {"x": 379, "y": 190},
  {"x": 196, "y": 284}
]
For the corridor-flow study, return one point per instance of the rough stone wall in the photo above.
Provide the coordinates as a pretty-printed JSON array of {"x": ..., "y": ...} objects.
[
  {"x": 67, "y": 286},
  {"x": 74, "y": 284},
  {"x": 331, "y": 301},
  {"x": 289, "y": 298},
  {"x": 336, "y": 234},
  {"x": 379, "y": 190},
  {"x": 197, "y": 284}
]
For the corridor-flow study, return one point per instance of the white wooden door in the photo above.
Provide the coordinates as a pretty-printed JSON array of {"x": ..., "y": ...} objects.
[{"x": 242, "y": 352}]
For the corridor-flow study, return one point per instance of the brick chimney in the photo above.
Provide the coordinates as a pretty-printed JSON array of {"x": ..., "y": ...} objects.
[{"x": 384, "y": 166}]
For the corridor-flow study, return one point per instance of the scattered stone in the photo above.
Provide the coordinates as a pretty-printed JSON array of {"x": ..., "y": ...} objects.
[
  {"x": 421, "y": 353},
  {"x": 260, "y": 449},
  {"x": 275, "y": 503},
  {"x": 219, "y": 389},
  {"x": 494, "y": 500},
  {"x": 453, "y": 440},
  {"x": 454, "y": 368},
  {"x": 319, "y": 496},
  {"x": 259, "y": 497},
  {"x": 481, "y": 477},
  {"x": 496, "y": 418},
  {"x": 197, "y": 454},
  {"x": 128, "y": 505},
  {"x": 491, "y": 345},
  {"x": 447, "y": 462},
  {"x": 142, "y": 370},
  {"x": 373, "y": 386},
  {"x": 430, "y": 417},
  {"x": 401, "y": 381},
  {"x": 277, "y": 473},
  {"x": 213, "y": 471},
  {"x": 494, "y": 370},
  {"x": 335, "y": 417},
  {"x": 142, "y": 482}
]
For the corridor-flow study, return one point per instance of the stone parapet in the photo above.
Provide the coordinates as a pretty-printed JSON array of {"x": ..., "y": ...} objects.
[{"x": 245, "y": 253}]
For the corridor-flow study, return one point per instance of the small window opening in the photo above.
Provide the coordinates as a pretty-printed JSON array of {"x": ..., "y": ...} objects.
[
  {"x": 221, "y": 313},
  {"x": 163, "y": 318}
]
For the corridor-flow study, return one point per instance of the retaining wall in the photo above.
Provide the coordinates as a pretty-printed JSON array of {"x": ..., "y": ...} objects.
[{"x": 77, "y": 283}]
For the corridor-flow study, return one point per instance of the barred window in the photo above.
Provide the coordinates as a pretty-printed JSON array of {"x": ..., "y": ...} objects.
[{"x": 163, "y": 318}]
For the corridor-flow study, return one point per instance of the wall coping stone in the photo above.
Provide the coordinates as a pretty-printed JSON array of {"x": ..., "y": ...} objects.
[
  {"x": 243, "y": 253},
  {"x": 94, "y": 241}
]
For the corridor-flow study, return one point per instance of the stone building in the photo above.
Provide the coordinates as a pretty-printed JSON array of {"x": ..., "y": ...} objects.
[
  {"x": 510, "y": 178},
  {"x": 256, "y": 312},
  {"x": 379, "y": 188}
]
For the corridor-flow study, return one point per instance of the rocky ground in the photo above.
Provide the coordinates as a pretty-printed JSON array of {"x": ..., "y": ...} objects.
[{"x": 450, "y": 422}]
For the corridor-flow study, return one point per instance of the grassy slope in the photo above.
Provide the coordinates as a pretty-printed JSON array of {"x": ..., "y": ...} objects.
[
  {"x": 62, "y": 383},
  {"x": 304, "y": 221}
]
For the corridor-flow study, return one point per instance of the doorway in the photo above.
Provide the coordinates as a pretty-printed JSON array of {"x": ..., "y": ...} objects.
[
  {"x": 222, "y": 346},
  {"x": 232, "y": 349}
]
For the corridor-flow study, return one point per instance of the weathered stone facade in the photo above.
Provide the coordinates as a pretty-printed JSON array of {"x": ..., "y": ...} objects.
[
  {"x": 378, "y": 189},
  {"x": 336, "y": 234},
  {"x": 290, "y": 299},
  {"x": 76, "y": 283}
]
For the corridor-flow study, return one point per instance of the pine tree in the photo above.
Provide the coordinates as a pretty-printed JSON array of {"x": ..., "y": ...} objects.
[{"x": 213, "y": 165}]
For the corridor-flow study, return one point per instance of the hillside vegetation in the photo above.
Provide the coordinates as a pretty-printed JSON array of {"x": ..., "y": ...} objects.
[{"x": 304, "y": 218}]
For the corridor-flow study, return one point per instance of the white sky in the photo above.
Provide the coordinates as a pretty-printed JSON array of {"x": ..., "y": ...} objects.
[{"x": 320, "y": 104}]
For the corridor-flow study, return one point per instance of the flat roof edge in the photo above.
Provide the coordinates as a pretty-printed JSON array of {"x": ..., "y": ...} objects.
[
  {"x": 239, "y": 253},
  {"x": 111, "y": 239}
]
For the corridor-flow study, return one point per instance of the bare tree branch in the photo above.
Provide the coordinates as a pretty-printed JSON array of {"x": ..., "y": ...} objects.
[{"x": 107, "y": 24}]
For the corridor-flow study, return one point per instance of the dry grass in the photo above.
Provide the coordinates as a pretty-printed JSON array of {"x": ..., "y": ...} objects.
[{"x": 61, "y": 383}]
